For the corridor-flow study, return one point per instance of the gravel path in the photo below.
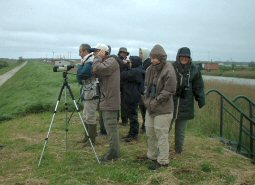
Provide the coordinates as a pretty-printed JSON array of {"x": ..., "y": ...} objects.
[{"x": 9, "y": 74}]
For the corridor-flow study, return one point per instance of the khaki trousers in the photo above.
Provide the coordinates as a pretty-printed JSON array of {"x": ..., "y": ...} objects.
[
  {"x": 157, "y": 130},
  {"x": 90, "y": 109}
]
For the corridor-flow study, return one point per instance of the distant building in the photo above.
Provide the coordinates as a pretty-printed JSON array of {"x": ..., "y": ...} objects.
[{"x": 211, "y": 66}]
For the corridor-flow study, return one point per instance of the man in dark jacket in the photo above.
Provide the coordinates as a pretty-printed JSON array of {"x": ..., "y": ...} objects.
[
  {"x": 124, "y": 65},
  {"x": 190, "y": 86},
  {"x": 144, "y": 54},
  {"x": 107, "y": 69},
  {"x": 133, "y": 87}
]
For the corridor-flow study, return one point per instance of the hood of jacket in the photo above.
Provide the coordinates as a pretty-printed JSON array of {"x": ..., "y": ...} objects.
[
  {"x": 158, "y": 52},
  {"x": 146, "y": 53},
  {"x": 183, "y": 52},
  {"x": 136, "y": 61}
]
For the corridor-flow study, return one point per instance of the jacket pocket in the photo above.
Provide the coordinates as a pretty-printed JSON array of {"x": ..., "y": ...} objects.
[{"x": 154, "y": 105}]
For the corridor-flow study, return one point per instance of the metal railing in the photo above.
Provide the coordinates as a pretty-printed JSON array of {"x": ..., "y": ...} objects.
[{"x": 242, "y": 116}]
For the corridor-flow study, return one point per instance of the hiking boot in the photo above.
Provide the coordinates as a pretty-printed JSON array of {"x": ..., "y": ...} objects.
[
  {"x": 102, "y": 133},
  {"x": 156, "y": 165},
  {"x": 131, "y": 138},
  {"x": 124, "y": 123},
  {"x": 108, "y": 157},
  {"x": 142, "y": 130},
  {"x": 125, "y": 137}
]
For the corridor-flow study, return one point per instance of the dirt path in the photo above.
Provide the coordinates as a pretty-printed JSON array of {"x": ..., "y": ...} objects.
[{"x": 9, "y": 74}]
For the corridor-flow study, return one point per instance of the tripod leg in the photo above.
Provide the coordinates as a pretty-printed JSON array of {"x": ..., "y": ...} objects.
[
  {"x": 77, "y": 104},
  {"x": 55, "y": 111},
  {"x": 85, "y": 129},
  {"x": 66, "y": 111}
]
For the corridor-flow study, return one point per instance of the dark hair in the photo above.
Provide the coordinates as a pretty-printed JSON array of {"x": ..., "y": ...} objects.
[{"x": 85, "y": 47}]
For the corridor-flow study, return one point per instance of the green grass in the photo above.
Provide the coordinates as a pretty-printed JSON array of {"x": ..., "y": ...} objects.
[
  {"x": 11, "y": 65},
  {"x": 34, "y": 88},
  {"x": 204, "y": 161}
]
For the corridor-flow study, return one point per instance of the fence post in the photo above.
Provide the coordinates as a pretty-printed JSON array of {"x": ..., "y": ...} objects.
[
  {"x": 221, "y": 116},
  {"x": 239, "y": 146},
  {"x": 251, "y": 132}
]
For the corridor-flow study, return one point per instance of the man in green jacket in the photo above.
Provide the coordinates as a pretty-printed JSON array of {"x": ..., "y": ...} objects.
[{"x": 190, "y": 86}]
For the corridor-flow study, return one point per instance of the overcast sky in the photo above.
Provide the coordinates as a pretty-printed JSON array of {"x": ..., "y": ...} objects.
[{"x": 212, "y": 29}]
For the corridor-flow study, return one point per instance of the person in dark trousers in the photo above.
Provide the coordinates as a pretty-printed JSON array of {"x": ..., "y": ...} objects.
[
  {"x": 190, "y": 87},
  {"x": 124, "y": 65},
  {"x": 133, "y": 87},
  {"x": 144, "y": 54}
]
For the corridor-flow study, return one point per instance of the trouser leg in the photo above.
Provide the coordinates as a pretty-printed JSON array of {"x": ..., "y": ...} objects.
[
  {"x": 133, "y": 119},
  {"x": 152, "y": 141},
  {"x": 143, "y": 112},
  {"x": 180, "y": 127},
  {"x": 101, "y": 123},
  {"x": 89, "y": 117},
  {"x": 161, "y": 126},
  {"x": 123, "y": 110},
  {"x": 111, "y": 126}
]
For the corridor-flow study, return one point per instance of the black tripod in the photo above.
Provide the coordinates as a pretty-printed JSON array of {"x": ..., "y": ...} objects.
[{"x": 66, "y": 86}]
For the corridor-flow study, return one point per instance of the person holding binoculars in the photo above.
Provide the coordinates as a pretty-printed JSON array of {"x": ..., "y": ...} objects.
[{"x": 160, "y": 86}]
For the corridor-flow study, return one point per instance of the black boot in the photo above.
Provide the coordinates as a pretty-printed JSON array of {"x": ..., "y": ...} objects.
[{"x": 92, "y": 133}]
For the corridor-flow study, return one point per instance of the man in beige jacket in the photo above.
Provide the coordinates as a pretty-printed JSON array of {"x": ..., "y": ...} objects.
[
  {"x": 107, "y": 69},
  {"x": 160, "y": 86}
]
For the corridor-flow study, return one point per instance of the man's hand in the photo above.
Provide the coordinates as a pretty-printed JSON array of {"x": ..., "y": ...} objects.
[{"x": 101, "y": 54}]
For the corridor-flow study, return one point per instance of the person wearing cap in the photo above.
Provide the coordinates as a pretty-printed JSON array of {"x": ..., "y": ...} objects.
[
  {"x": 107, "y": 69},
  {"x": 133, "y": 87},
  {"x": 124, "y": 65},
  {"x": 144, "y": 54},
  {"x": 160, "y": 86},
  {"x": 101, "y": 121},
  {"x": 88, "y": 82},
  {"x": 190, "y": 86}
]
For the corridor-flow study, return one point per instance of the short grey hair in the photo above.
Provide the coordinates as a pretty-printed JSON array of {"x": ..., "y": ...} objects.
[{"x": 85, "y": 47}]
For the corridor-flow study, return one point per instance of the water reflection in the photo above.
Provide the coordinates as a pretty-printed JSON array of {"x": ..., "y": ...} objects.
[{"x": 233, "y": 80}]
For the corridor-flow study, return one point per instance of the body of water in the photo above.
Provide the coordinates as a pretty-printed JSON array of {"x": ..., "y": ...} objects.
[{"x": 233, "y": 80}]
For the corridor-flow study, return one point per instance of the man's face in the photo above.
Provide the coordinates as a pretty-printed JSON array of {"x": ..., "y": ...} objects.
[
  {"x": 155, "y": 61},
  {"x": 124, "y": 55},
  {"x": 100, "y": 53},
  {"x": 82, "y": 52},
  {"x": 184, "y": 60}
]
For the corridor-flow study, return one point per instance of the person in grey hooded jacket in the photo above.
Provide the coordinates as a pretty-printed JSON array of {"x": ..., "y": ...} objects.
[
  {"x": 160, "y": 86},
  {"x": 190, "y": 87}
]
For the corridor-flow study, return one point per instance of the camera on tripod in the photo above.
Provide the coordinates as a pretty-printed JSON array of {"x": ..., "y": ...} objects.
[{"x": 62, "y": 68}]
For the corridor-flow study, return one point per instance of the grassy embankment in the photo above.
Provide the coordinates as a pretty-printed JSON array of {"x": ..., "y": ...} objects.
[
  {"x": 33, "y": 89},
  {"x": 7, "y": 66},
  {"x": 204, "y": 161}
]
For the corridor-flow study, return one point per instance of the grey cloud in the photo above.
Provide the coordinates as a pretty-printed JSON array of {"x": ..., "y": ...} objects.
[{"x": 212, "y": 29}]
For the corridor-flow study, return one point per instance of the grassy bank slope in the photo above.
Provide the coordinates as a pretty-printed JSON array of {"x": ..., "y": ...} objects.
[
  {"x": 10, "y": 66},
  {"x": 33, "y": 89},
  {"x": 204, "y": 161}
]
